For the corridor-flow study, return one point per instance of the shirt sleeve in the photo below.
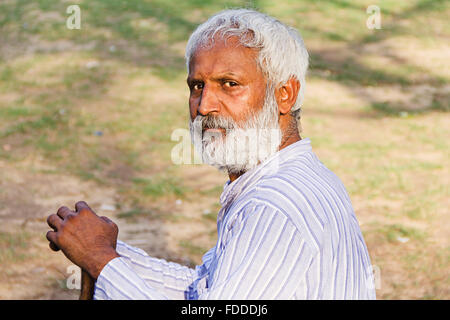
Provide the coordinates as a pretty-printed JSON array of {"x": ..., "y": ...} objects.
[
  {"x": 118, "y": 281},
  {"x": 264, "y": 257},
  {"x": 135, "y": 275},
  {"x": 261, "y": 255}
]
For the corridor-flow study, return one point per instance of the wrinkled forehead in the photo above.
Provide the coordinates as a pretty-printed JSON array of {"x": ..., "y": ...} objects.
[{"x": 223, "y": 55}]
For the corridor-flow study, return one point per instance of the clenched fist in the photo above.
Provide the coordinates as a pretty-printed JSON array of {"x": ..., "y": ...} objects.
[{"x": 86, "y": 239}]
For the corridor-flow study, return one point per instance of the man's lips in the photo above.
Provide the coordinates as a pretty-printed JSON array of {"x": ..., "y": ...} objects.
[{"x": 221, "y": 130}]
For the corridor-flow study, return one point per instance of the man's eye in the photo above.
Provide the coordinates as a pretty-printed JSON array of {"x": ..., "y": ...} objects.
[
  {"x": 197, "y": 86},
  {"x": 230, "y": 84}
]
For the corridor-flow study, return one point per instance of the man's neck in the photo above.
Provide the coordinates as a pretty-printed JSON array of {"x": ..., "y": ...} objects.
[
  {"x": 234, "y": 176},
  {"x": 289, "y": 139}
]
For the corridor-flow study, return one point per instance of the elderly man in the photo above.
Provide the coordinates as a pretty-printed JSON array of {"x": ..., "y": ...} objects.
[{"x": 286, "y": 229}]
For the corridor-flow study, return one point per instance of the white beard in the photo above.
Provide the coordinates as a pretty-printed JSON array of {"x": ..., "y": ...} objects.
[{"x": 244, "y": 145}]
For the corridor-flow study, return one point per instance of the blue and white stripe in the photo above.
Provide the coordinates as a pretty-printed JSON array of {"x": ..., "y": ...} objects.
[{"x": 286, "y": 230}]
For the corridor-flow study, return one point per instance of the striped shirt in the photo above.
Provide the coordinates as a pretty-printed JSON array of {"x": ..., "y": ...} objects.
[{"x": 286, "y": 230}]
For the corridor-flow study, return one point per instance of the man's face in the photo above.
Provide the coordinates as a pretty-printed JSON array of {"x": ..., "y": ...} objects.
[
  {"x": 225, "y": 81},
  {"x": 234, "y": 118}
]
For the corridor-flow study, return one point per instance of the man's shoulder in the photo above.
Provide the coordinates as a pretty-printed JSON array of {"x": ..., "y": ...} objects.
[
  {"x": 307, "y": 193},
  {"x": 303, "y": 190},
  {"x": 303, "y": 179}
]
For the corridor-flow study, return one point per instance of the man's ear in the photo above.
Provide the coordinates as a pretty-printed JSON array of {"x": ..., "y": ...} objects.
[{"x": 286, "y": 95}]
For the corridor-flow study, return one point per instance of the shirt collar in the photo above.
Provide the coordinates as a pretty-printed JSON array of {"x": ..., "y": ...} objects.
[{"x": 232, "y": 189}]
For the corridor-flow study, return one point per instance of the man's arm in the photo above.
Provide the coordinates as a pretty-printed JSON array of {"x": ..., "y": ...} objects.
[
  {"x": 265, "y": 257},
  {"x": 90, "y": 242},
  {"x": 168, "y": 278},
  {"x": 118, "y": 281}
]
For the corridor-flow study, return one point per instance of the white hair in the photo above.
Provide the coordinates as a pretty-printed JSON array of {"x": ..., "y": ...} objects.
[{"x": 281, "y": 52}]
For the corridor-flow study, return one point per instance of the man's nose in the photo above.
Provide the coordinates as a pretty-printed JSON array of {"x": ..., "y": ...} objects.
[{"x": 208, "y": 101}]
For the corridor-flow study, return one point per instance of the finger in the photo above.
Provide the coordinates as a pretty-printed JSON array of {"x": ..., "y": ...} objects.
[
  {"x": 51, "y": 236},
  {"x": 54, "y": 221},
  {"x": 53, "y": 246},
  {"x": 81, "y": 205},
  {"x": 63, "y": 212},
  {"x": 108, "y": 220}
]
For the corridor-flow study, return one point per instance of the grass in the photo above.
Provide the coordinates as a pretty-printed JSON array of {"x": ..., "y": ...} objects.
[
  {"x": 376, "y": 110},
  {"x": 159, "y": 186},
  {"x": 134, "y": 213},
  {"x": 395, "y": 232},
  {"x": 13, "y": 246},
  {"x": 192, "y": 248}
]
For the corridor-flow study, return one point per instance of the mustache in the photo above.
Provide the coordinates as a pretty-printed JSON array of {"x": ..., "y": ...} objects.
[{"x": 214, "y": 122}]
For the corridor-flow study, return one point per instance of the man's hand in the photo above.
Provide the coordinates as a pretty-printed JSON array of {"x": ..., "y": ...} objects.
[{"x": 86, "y": 239}]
